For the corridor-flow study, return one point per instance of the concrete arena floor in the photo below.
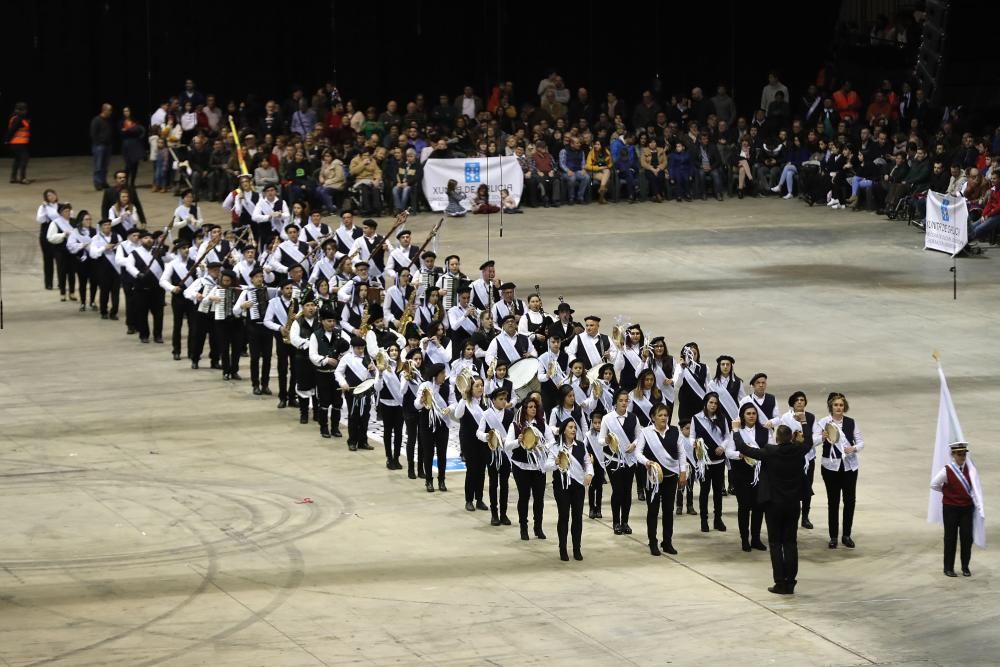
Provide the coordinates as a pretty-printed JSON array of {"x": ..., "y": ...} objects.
[{"x": 150, "y": 511}]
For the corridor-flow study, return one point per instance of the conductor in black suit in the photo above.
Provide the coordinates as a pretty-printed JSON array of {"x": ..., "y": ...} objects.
[{"x": 780, "y": 491}]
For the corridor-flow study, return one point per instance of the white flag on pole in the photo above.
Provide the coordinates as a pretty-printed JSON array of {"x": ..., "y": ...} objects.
[{"x": 948, "y": 432}]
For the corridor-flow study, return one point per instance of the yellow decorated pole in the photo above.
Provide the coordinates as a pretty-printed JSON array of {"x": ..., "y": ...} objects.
[{"x": 239, "y": 148}]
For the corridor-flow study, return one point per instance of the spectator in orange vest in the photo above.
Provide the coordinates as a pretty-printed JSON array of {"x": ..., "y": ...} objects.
[
  {"x": 18, "y": 137},
  {"x": 847, "y": 103}
]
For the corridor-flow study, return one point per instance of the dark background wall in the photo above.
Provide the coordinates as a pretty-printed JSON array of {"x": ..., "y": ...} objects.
[{"x": 64, "y": 58}]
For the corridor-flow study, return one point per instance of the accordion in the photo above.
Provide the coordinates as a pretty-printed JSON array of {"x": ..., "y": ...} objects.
[
  {"x": 258, "y": 298},
  {"x": 223, "y": 308}
]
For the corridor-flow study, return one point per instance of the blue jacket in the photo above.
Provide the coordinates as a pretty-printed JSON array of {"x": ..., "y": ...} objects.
[{"x": 679, "y": 165}]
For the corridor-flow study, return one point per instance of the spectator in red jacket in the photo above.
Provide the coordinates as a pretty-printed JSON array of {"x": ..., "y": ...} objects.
[
  {"x": 846, "y": 102},
  {"x": 991, "y": 211}
]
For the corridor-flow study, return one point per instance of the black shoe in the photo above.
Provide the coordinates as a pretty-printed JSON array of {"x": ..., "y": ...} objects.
[
  {"x": 156, "y": 339},
  {"x": 746, "y": 547},
  {"x": 293, "y": 401},
  {"x": 642, "y": 496},
  {"x": 593, "y": 513},
  {"x": 266, "y": 391},
  {"x": 324, "y": 430},
  {"x": 538, "y": 532},
  {"x": 410, "y": 473},
  {"x": 704, "y": 525},
  {"x": 177, "y": 356},
  {"x": 758, "y": 545},
  {"x": 256, "y": 391},
  {"x": 654, "y": 550},
  {"x": 144, "y": 340},
  {"x": 680, "y": 510},
  {"x": 577, "y": 554},
  {"x": 113, "y": 317},
  {"x": 806, "y": 523},
  {"x": 504, "y": 520},
  {"x": 395, "y": 465},
  {"x": 725, "y": 493},
  {"x": 83, "y": 308},
  {"x": 441, "y": 485},
  {"x": 691, "y": 510},
  {"x": 495, "y": 520},
  {"x": 129, "y": 331},
  {"x": 599, "y": 515},
  {"x": 226, "y": 377},
  {"x": 469, "y": 507},
  {"x": 216, "y": 366},
  {"x": 352, "y": 447},
  {"x": 480, "y": 505},
  {"x": 430, "y": 487},
  {"x": 833, "y": 543},
  {"x": 966, "y": 572},
  {"x": 365, "y": 445},
  {"x": 194, "y": 365},
  {"x": 668, "y": 548},
  {"x": 563, "y": 554},
  {"x": 617, "y": 529},
  {"x": 778, "y": 589},
  {"x": 104, "y": 316},
  {"x": 739, "y": 193},
  {"x": 524, "y": 531},
  {"x": 337, "y": 433},
  {"x": 847, "y": 541},
  {"x": 950, "y": 573},
  {"x": 626, "y": 529},
  {"x": 282, "y": 404},
  {"x": 719, "y": 526},
  {"x": 235, "y": 376}
]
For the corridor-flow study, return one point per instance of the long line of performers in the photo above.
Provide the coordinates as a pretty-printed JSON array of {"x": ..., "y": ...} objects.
[{"x": 365, "y": 323}]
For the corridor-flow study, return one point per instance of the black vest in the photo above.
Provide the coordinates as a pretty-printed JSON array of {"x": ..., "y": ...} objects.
[
  {"x": 829, "y": 451},
  {"x": 669, "y": 442}
]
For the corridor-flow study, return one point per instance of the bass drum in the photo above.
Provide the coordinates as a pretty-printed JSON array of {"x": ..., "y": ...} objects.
[{"x": 523, "y": 374}]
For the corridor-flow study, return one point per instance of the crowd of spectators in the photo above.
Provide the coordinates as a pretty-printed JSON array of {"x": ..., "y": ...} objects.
[{"x": 840, "y": 147}]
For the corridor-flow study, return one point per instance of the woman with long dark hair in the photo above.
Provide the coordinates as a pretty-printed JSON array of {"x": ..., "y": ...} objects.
[
  {"x": 389, "y": 387},
  {"x": 469, "y": 412},
  {"x": 710, "y": 427},
  {"x": 690, "y": 378},
  {"x": 497, "y": 420},
  {"x": 78, "y": 247},
  {"x": 572, "y": 472},
  {"x": 745, "y": 474},
  {"x": 409, "y": 378},
  {"x": 47, "y": 212},
  {"x": 527, "y": 453},
  {"x": 662, "y": 365},
  {"x": 619, "y": 431}
]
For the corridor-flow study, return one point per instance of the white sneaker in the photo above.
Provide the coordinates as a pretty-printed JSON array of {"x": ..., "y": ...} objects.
[
  {"x": 789, "y": 196},
  {"x": 776, "y": 188},
  {"x": 833, "y": 202},
  {"x": 836, "y": 206}
]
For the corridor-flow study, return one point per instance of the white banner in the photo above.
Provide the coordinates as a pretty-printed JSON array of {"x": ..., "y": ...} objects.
[
  {"x": 947, "y": 227},
  {"x": 496, "y": 173}
]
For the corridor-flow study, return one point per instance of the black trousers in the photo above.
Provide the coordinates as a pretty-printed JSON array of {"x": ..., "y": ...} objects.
[
  {"x": 663, "y": 499},
  {"x": 64, "y": 268},
  {"x": 229, "y": 343},
  {"x": 286, "y": 355},
  {"x": 48, "y": 257},
  {"x": 569, "y": 502},
  {"x": 530, "y": 488},
  {"x": 392, "y": 430},
  {"x": 260, "y": 339},
  {"x": 19, "y": 170},
  {"x": 782, "y": 531},
  {"x": 714, "y": 474},
  {"x": 621, "y": 494},
  {"x": 499, "y": 473},
  {"x": 305, "y": 376},
  {"x": 640, "y": 480},
  {"x": 689, "y": 487},
  {"x": 180, "y": 309},
  {"x": 840, "y": 482},
  {"x": 595, "y": 492},
  {"x": 413, "y": 454},
  {"x": 433, "y": 440},
  {"x": 201, "y": 328},
  {"x": 359, "y": 410},
  {"x": 110, "y": 283},
  {"x": 147, "y": 301},
  {"x": 85, "y": 276},
  {"x": 807, "y": 489},
  {"x": 328, "y": 398},
  {"x": 749, "y": 513},
  {"x": 131, "y": 310},
  {"x": 477, "y": 453},
  {"x": 957, "y": 524}
]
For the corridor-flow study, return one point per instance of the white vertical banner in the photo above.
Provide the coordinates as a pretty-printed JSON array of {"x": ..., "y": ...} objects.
[
  {"x": 947, "y": 226},
  {"x": 496, "y": 173}
]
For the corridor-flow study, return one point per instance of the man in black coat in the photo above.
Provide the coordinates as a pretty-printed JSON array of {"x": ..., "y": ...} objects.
[{"x": 780, "y": 490}]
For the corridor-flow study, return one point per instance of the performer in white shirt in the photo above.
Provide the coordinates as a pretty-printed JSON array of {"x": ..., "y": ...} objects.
[
  {"x": 961, "y": 501},
  {"x": 745, "y": 475},
  {"x": 592, "y": 347},
  {"x": 572, "y": 473},
  {"x": 270, "y": 215},
  {"x": 528, "y": 455},
  {"x": 767, "y": 404},
  {"x": 800, "y": 421},
  {"x": 102, "y": 250},
  {"x": 618, "y": 437},
  {"x": 58, "y": 231},
  {"x": 292, "y": 252},
  {"x": 434, "y": 402},
  {"x": 661, "y": 445},
  {"x": 840, "y": 465},
  {"x": 47, "y": 212},
  {"x": 711, "y": 427},
  {"x": 497, "y": 419},
  {"x": 241, "y": 203},
  {"x": 177, "y": 276}
]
